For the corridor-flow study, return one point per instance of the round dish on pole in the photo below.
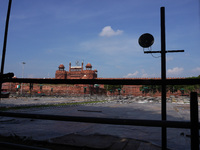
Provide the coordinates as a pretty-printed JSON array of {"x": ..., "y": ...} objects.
[{"x": 146, "y": 40}]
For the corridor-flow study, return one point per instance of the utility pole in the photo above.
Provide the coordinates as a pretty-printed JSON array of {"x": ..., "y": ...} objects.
[
  {"x": 146, "y": 40},
  {"x": 5, "y": 43},
  {"x": 163, "y": 76},
  {"x": 23, "y": 63}
]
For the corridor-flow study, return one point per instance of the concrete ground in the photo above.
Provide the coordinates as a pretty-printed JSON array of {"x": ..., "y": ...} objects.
[{"x": 99, "y": 136}]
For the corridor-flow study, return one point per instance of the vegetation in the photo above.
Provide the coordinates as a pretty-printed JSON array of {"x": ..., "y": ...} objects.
[
  {"x": 192, "y": 88},
  {"x": 152, "y": 89},
  {"x": 113, "y": 88},
  {"x": 49, "y": 105}
]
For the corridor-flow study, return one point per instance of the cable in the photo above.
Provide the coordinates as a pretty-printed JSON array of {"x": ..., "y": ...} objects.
[{"x": 150, "y": 49}]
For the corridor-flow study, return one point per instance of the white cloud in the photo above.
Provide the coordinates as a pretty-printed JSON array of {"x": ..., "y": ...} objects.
[
  {"x": 144, "y": 74},
  {"x": 108, "y": 31},
  {"x": 196, "y": 69},
  {"x": 131, "y": 74},
  {"x": 175, "y": 71}
]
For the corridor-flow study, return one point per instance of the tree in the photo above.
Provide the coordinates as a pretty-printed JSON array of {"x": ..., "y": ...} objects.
[
  {"x": 191, "y": 88},
  {"x": 172, "y": 88},
  {"x": 152, "y": 89},
  {"x": 112, "y": 88}
]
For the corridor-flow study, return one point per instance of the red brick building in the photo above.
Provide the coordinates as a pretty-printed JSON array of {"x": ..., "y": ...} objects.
[{"x": 76, "y": 72}]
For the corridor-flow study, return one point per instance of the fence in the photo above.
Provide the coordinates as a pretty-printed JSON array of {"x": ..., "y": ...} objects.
[{"x": 193, "y": 124}]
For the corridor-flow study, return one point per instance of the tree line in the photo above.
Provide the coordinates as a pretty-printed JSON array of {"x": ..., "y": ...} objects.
[
  {"x": 185, "y": 89},
  {"x": 152, "y": 89}
]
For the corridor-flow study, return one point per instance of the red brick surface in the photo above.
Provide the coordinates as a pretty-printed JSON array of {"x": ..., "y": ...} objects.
[{"x": 78, "y": 72}]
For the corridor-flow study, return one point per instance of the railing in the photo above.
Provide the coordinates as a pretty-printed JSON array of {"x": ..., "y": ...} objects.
[
  {"x": 193, "y": 124},
  {"x": 106, "y": 81}
]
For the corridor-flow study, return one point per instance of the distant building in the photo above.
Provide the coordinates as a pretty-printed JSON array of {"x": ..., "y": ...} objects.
[
  {"x": 80, "y": 72},
  {"x": 76, "y": 72}
]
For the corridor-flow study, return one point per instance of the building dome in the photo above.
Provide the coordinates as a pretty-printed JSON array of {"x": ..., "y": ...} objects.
[
  {"x": 88, "y": 65},
  {"x": 61, "y": 67}
]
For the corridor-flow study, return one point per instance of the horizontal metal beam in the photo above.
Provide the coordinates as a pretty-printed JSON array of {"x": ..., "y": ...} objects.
[
  {"x": 170, "y": 51},
  {"x": 106, "y": 81},
  {"x": 148, "y": 52},
  {"x": 175, "y": 51},
  {"x": 6, "y": 145},
  {"x": 135, "y": 122}
]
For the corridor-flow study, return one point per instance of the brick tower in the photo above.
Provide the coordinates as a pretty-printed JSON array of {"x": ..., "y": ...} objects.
[
  {"x": 61, "y": 73},
  {"x": 76, "y": 72}
]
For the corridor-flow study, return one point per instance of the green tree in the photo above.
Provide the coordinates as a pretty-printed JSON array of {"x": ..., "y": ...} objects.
[
  {"x": 152, "y": 89},
  {"x": 112, "y": 87},
  {"x": 191, "y": 88},
  {"x": 172, "y": 88}
]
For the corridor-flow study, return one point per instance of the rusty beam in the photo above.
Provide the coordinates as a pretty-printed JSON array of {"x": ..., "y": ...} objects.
[{"x": 106, "y": 81}]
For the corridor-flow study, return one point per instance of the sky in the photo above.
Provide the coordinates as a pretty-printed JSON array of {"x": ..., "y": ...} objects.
[{"x": 105, "y": 33}]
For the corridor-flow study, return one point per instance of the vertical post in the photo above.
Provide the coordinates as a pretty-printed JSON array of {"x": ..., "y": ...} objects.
[
  {"x": 163, "y": 75},
  {"x": 194, "y": 118},
  {"x": 23, "y": 63},
  {"x": 5, "y": 37},
  {"x": 5, "y": 42}
]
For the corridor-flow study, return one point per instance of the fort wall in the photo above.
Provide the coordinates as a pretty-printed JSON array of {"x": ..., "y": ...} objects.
[
  {"x": 77, "y": 90},
  {"x": 78, "y": 72}
]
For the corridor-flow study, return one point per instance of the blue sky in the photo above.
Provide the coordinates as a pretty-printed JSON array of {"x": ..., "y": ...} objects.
[{"x": 105, "y": 33}]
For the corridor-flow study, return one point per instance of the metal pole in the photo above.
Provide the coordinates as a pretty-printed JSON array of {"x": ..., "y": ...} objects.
[
  {"x": 7, "y": 145},
  {"x": 163, "y": 75},
  {"x": 5, "y": 37},
  {"x": 5, "y": 42},
  {"x": 23, "y": 63},
  {"x": 194, "y": 118},
  {"x": 107, "y": 81},
  {"x": 100, "y": 120}
]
